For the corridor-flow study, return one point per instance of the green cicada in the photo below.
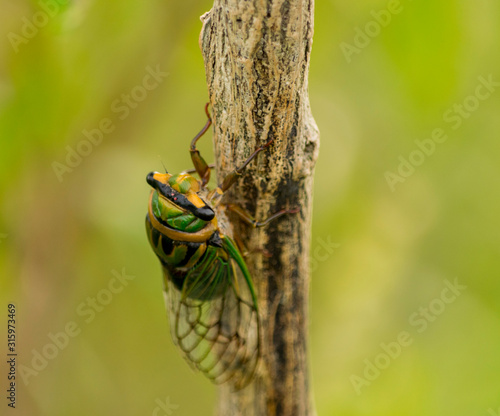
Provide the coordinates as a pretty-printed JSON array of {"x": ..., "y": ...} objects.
[{"x": 210, "y": 296}]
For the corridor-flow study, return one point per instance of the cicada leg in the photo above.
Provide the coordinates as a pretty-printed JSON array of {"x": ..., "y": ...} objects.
[
  {"x": 201, "y": 167},
  {"x": 231, "y": 178},
  {"x": 211, "y": 166},
  {"x": 248, "y": 219},
  {"x": 215, "y": 195},
  {"x": 241, "y": 246},
  {"x": 245, "y": 252}
]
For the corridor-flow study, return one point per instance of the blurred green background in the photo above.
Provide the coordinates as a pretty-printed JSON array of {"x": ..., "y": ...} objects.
[{"x": 373, "y": 96}]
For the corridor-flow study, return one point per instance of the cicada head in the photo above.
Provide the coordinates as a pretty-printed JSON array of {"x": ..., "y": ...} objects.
[{"x": 182, "y": 191}]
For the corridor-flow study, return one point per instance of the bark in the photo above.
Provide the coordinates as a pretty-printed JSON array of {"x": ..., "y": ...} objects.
[{"x": 256, "y": 57}]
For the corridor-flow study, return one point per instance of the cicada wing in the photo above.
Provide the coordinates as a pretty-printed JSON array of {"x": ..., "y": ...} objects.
[
  {"x": 219, "y": 333},
  {"x": 247, "y": 317}
]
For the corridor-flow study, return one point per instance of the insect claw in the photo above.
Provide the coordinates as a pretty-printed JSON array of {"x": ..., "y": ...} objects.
[
  {"x": 269, "y": 143},
  {"x": 264, "y": 146}
]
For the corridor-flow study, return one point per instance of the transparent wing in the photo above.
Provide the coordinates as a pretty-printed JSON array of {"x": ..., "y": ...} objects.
[{"x": 214, "y": 320}]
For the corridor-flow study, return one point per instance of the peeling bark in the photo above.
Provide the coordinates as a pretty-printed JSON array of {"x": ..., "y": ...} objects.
[{"x": 256, "y": 60}]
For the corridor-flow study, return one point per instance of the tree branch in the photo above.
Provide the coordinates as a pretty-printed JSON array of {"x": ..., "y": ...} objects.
[{"x": 256, "y": 60}]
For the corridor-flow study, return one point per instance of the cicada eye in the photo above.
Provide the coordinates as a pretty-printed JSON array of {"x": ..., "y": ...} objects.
[
  {"x": 155, "y": 179},
  {"x": 205, "y": 213},
  {"x": 150, "y": 179}
]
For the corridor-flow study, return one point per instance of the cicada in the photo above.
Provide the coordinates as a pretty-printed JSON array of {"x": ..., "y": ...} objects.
[{"x": 210, "y": 296}]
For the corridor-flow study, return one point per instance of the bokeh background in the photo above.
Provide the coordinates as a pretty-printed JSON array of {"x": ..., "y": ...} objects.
[{"x": 391, "y": 248}]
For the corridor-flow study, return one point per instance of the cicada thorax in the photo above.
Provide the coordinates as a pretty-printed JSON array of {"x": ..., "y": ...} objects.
[
  {"x": 175, "y": 217},
  {"x": 188, "y": 247}
]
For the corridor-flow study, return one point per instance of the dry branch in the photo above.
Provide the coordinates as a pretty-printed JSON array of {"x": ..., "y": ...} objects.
[{"x": 256, "y": 60}]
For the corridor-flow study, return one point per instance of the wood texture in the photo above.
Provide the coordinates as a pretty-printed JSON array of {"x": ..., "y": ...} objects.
[{"x": 256, "y": 59}]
